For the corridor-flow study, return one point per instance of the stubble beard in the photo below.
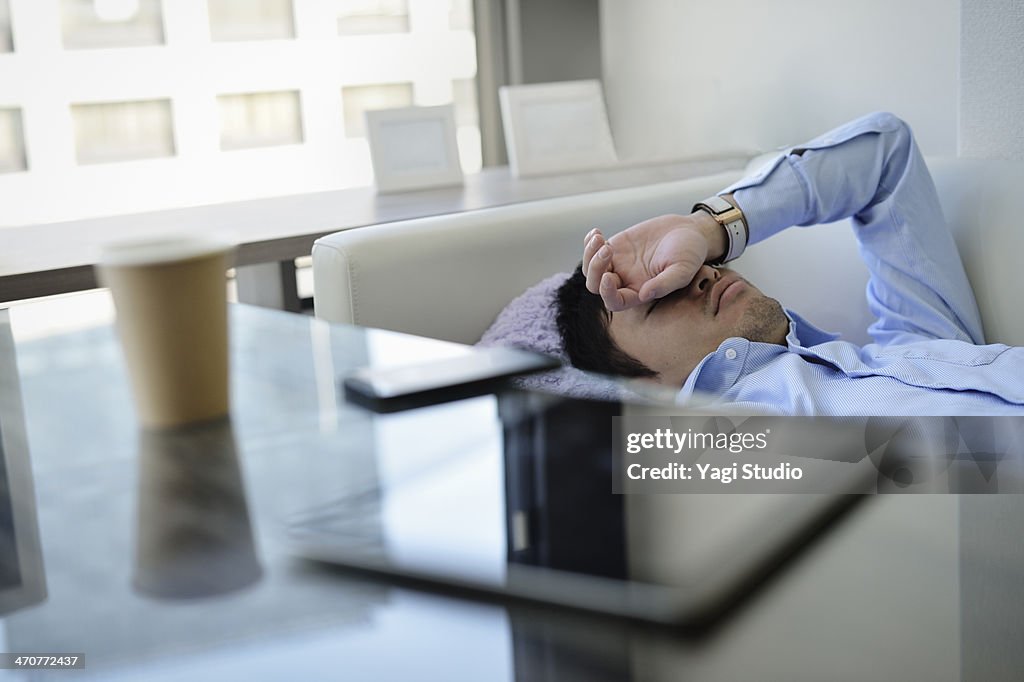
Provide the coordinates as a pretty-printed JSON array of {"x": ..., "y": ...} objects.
[{"x": 764, "y": 320}]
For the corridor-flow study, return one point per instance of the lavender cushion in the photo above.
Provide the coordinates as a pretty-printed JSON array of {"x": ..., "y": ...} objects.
[{"x": 528, "y": 321}]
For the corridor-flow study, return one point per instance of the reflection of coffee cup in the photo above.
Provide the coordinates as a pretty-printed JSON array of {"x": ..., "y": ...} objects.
[
  {"x": 194, "y": 537},
  {"x": 171, "y": 305}
]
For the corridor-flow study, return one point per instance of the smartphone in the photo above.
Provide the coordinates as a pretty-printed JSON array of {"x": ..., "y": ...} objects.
[{"x": 479, "y": 372}]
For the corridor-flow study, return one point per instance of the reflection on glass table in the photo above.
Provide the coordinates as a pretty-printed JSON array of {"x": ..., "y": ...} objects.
[
  {"x": 193, "y": 534},
  {"x": 173, "y": 542},
  {"x": 885, "y": 593},
  {"x": 22, "y": 576}
]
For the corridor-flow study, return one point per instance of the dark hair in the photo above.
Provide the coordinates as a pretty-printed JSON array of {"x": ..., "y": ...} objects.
[{"x": 583, "y": 323}]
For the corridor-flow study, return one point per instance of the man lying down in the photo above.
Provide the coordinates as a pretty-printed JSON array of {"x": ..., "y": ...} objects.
[{"x": 655, "y": 300}]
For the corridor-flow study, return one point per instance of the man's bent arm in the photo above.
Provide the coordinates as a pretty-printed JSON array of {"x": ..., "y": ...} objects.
[{"x": 871, "y": 171}]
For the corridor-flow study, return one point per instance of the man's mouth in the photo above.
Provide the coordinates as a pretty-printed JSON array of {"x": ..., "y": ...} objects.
[{"x": 718, "y": 292}]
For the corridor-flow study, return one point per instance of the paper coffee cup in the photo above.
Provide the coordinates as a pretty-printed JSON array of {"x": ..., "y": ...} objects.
[{"x": 171, "y": 303}]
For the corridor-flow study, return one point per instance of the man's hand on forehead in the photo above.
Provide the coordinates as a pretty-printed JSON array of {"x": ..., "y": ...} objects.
[{"x": 650, "y": 259}]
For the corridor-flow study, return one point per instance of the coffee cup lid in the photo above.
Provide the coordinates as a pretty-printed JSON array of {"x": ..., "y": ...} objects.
[{"x": 162, "y": 249}]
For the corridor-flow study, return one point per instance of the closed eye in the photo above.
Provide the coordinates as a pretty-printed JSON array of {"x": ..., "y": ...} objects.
[{"x": 678, "y": 293}]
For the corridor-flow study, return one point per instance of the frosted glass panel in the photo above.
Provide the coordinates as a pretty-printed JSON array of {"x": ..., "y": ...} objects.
[
  {"x": 251, "y": 19},
  {"x": 102, "y": 81},
  {"x": 12, "y": 142},
  {"x": 359, "y": 99},
  {"x": 260, "y": 119},
  {"x": 464, "y": 98},
  {"x": 6, "y": 38},
  {"x": 123, "y": 131},
  {"x": 460, "y": 15},
  {"x": 372, "y": 16},
  {"x": 111, "y": 23}
]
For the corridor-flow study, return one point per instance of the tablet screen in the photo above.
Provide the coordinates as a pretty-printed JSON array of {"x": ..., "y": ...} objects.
[{"x": 531, "y": 513}]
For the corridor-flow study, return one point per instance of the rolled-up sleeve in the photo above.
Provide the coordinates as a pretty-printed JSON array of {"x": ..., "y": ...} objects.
[{"x": 870, "y": 170}]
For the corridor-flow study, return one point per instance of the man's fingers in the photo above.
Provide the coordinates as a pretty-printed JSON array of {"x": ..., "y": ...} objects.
[
  {"x": 613, "y": 300},
  {"x": 593, "y": 242},
  {"x": 615, "y": 296},
  {"x": 600, "y": 265},
  {"x": 673, "y": 278}
]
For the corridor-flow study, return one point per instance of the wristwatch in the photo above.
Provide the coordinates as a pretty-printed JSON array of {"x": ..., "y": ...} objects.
[{"x": 732, "y": 220}]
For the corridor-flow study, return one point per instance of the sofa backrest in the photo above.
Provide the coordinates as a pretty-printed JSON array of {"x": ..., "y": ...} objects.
[
  {"x": 448, "y": 276},
  {"x": 983, "y": 201}
]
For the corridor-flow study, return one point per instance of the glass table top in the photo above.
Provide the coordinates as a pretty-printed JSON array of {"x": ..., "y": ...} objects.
[
  {"x": 103, "y": 528},
  {"x": 108, "y": 521}
]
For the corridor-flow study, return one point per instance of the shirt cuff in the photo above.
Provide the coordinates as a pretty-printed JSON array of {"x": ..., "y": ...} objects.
[{"x": 771, "y": 200}]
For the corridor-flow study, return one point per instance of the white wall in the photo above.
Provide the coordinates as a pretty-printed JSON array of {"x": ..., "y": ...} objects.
[
  {"x": 992, "y": 79},
  {"x": 789, "y": 70}
]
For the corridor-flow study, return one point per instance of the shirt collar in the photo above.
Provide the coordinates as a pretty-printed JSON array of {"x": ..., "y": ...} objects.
[
  {"x": 737, "y": 357},
  {"x": 803, "y": 334}
]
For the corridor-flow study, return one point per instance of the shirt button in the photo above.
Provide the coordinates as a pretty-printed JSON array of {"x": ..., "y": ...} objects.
[{"x": 730, "y": 353}]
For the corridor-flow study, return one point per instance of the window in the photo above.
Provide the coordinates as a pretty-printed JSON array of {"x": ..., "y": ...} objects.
[
  {"x": 159, "y": 110},
  {"x": 251, "y": 20},
  {"x": 467, "y": 123},
  {"x": 372, "y": 16},
  {"x": 122, "y": 131},
  {"x": 359, "y": 99},
  {"x": 6, "y": 38},
  {"x": 460, "y": 15},
  {"x": 262, "y": 119},
  {"x": 111, "y": 23},
  {"x": 12, "y": 142},
  {"x": 464, "y": 97}
]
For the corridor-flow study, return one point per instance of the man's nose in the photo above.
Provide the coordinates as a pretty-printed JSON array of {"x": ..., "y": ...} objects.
[{"x": 704, "y": 280}]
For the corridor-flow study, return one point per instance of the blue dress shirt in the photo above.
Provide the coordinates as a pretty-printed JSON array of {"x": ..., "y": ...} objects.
[{"x": 929, "y": 356}]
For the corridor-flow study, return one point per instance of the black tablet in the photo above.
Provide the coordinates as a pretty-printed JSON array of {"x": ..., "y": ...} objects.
[{"x": 532, "y": 514}]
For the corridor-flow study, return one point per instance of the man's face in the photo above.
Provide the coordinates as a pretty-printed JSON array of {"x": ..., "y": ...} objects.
[{"x": 672, "y": 334}]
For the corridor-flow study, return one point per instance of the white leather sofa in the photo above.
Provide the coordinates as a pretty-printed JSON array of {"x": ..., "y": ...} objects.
[{"x": 448, "y": 276}]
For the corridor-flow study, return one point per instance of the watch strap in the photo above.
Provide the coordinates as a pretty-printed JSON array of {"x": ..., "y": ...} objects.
[{"x": 732, "y": 220}]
